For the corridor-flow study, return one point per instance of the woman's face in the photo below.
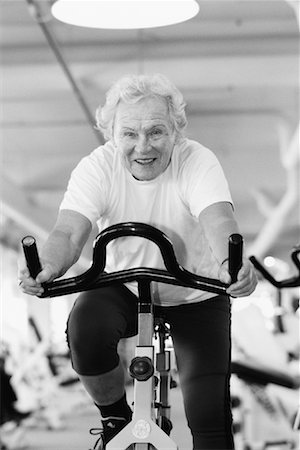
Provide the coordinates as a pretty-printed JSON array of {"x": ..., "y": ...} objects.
[{"x": 145, "y": 137}]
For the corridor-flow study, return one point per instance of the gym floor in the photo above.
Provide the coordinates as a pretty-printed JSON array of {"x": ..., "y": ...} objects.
[{"x": 81, "y": 415}]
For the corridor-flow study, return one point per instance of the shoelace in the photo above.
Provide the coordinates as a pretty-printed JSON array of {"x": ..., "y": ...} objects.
[
  {"x": 96, "y": 432},
  {"x": 99, "y": 431}
]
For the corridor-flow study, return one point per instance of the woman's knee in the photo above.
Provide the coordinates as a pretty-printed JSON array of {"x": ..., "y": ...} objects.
[
  {"x": 89, "y": 324},
  {"x": 94, "y": 329}
]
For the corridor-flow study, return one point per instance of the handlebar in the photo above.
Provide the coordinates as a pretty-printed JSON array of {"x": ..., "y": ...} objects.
[
  {"x": 31, "y": 256},
  {"x": 95, "y": 277},
  {"x": 289, "y": 282},
  {"x": 235, "y": 255}
]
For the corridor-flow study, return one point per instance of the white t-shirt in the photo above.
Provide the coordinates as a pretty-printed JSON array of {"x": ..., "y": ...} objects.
[{"x": 104, "y": 191}]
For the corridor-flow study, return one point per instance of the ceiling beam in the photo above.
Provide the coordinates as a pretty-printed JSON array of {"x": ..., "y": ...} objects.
[
  {"x": 122, "y": 51},
  {"x": 203, "y": 73}
]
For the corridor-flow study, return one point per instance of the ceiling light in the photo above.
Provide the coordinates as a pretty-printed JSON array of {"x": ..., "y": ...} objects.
[{"x": 124, "y": 14}]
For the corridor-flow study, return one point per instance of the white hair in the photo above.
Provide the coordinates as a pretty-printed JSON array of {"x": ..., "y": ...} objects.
[{"x": 132, "y": 88}]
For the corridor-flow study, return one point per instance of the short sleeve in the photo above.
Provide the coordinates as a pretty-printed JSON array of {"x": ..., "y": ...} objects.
[
  {"x": 88, "y": 188},
  {"x": 203, "y": 180}
]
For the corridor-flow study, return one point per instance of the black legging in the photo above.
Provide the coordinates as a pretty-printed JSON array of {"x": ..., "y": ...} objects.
[{"x": 202, "y": 343}]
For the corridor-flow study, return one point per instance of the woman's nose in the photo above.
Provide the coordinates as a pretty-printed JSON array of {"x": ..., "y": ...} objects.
[{"x": 142, "y": 144}]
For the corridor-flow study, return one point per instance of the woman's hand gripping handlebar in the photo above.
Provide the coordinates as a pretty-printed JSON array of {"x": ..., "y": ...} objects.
[{"x": 95, "y": 277}]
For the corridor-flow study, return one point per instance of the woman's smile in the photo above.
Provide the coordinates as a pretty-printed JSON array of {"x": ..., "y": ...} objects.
[{"x": 145, "y": 161}]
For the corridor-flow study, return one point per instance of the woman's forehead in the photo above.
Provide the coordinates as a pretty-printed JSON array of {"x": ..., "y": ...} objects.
[{"x": 150, "y": 109}]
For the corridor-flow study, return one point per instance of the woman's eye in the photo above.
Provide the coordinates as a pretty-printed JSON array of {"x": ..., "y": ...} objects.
[
  {"x": 129, "y": 134},
  {"x": 156, "y": 132}
]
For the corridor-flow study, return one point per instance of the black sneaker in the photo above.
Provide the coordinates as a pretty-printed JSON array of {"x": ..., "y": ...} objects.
[{"x": 111, "y": 426}]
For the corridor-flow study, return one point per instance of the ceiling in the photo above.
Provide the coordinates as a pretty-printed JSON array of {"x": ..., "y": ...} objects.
[{"x": 236, "y": 63}]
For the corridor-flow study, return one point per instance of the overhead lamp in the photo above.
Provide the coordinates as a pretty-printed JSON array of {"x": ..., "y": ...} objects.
[{"x": 124, "y": 14}]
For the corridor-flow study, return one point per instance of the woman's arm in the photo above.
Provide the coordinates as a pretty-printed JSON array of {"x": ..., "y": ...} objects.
[
  {"x": 61, "y": 250},
  {"x": 219, "y": 223}
]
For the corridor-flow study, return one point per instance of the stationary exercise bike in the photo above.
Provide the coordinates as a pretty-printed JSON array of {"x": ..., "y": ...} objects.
[
  {"x": 255, "y": 378},
  {"x": 150, "y": 425}
]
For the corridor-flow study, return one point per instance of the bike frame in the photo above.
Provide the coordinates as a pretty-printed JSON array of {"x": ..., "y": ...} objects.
[{"x": 143, "y": 430}]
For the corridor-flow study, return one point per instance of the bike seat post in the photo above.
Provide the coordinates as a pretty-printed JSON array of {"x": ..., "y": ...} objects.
[
  {"x": 145, "y": 314},
  {"x": 144, "y": 353}
]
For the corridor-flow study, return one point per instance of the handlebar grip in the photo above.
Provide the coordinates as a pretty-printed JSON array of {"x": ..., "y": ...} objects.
[
  {"x": 235, "y": 255},
  {"x": 31, "y": 256}
]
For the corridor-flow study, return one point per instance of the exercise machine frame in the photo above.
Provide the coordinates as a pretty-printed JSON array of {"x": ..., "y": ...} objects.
[{"x": 142, "y": 432}]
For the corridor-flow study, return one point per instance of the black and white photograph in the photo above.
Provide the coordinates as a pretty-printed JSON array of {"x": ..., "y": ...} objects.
[{"x": 150, "y": 224}]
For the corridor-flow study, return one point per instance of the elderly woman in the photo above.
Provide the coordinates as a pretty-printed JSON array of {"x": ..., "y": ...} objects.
[{"x": 149, "y": 172}]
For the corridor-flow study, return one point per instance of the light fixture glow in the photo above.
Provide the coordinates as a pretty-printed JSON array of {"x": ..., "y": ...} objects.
[
  {"x": 269, "y": 261},
  {"x": 124, "y": 14}
]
